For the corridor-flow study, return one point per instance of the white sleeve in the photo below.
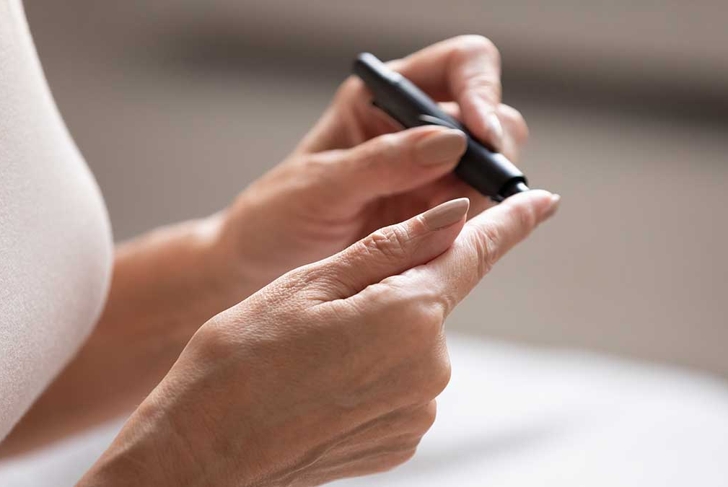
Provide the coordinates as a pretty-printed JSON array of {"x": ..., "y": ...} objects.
[{"x": 55, "y": 240}]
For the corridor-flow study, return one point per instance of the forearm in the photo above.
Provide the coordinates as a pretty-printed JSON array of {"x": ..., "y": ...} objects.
[
  {"x": 165, "y": 285},
  {"x": 148, "y": 451}
]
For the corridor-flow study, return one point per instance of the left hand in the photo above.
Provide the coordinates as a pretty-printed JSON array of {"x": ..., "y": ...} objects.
[
  {"x": 328, "y": 372},
  {"x": 354, "y": 172}
]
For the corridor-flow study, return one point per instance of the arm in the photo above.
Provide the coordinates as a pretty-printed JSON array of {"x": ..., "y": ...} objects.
[
  {"x": 330, "y": 371},
  {"x": 56, "y": 251},
  {"x": 352, "y": 174}
]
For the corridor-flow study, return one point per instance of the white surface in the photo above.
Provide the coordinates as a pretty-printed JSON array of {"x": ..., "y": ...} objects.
[
  {"x": 515, "y": 416},
  {"x": 55, "y": 242}
]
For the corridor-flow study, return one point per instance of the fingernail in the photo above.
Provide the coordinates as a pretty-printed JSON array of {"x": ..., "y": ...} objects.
[
  {"x": 441, "y": 147},
  {"x": 446, "y": 214},
  {"x": 495, "y": 131},
  {"x": 555, "y": 201}
]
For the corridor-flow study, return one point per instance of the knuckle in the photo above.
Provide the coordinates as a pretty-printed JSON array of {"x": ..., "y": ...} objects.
[
  {"x": 420, "y": 323},
  {"x": 446, "y": 302},
  {"x": 400, "y": 456},
  {"x": 467, "y": 45},
  {"x": 470, "y": 48},
  {"x": 426, "y": 417},
  {"x": 519, "y": 120},
  {"x": 390, "y": 243},
  {"x": 384, "y": 153},
  {"x": 317, "y": 171},
  {"x": 310, "y": 285},
  {"x": 376, "y": 159},
  {"x": 387, "y": 145},
  {"x": 317, "y": 164},
  {"x": 521, "y": 131},
  {"x": 485, "y": 85},
  {"x": 214, "y": 339},
  {"x": 411, "y": 317},
  {"x": 526, "y": 216},
  {"x": 429, "y": 319},
  {"x": 434, "y": 375},
  {"x": 297, "y": 280},
  {"x": 352, "y": 88},
  {"x": 488, "y": 88},
  {"x": 441, "y": 375},
  {"x": 486, "y": 246}
]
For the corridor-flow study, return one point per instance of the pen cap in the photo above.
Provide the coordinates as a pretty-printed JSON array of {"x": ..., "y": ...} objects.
[
  {"x": 489, "y": 172},
  {"x": 373, "y": 72}
]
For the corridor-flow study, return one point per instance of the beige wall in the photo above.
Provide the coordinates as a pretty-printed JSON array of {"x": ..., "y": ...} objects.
[{"x": 178, "y": 105}]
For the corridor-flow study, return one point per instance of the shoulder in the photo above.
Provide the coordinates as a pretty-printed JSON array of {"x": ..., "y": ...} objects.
[{"x": 55, "y": 240}]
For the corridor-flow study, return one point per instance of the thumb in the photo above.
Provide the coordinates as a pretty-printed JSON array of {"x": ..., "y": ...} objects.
[
  {"x": 392, "y": 250},
  {"x": 393, "y": 163}
]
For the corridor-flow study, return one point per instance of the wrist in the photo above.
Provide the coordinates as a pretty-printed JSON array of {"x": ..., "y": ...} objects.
[
  {"x": 246, "y": 241},
  {"x": 147, "y": 451},
  {"x": 179, "y": 272},
  {"x": 213, "y": 273}
]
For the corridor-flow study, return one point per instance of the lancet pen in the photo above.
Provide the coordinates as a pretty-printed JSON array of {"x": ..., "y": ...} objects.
[{"x": 489, "y": 172}]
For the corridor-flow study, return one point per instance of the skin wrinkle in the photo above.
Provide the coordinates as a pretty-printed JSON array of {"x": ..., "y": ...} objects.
[
  {"x": 486, "y": 243},
  {"x": 266, "y": 386},
  {"x": 348, "y": 437},
  {"x": 481, "y": 82}
]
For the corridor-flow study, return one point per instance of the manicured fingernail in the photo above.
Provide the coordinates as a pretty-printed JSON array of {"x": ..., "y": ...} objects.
[
  {"x": 555, "y": 200},
  {"x": 495, "y": 131},
  {"x": 440, "y": 147},
  {"x": 446, "y": 214}
]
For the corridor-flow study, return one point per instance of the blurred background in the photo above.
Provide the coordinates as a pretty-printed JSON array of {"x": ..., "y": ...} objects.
[{"x": 178, "y": 105}]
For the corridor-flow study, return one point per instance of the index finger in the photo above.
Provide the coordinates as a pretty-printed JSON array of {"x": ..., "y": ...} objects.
[
  {"x": 465, "y": 69},
  {"x": 485, "y": 239}
]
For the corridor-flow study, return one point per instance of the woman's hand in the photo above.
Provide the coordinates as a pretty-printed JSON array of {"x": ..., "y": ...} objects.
[
  {"x": 350, "y": 175},
  {"x": 331, "y": 371},
  {"x": 355, "y": 172}
]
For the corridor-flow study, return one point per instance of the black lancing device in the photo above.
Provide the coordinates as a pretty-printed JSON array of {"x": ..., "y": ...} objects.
[{"x": 489, "y": 172}]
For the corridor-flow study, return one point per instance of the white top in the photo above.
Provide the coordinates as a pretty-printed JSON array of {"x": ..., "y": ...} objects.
[{"x": 55, "y": 240}]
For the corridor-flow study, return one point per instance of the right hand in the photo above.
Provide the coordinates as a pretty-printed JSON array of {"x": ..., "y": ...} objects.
[
  {"x": 330, "y": 371},
  {"x": 356, "y": 171}
]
